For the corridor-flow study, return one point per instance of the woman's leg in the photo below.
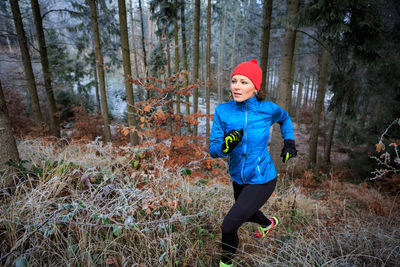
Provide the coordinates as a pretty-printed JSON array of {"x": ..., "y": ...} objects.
[
  {"x": 257, "y": 217},
  {"x": 250, "y": 199}
]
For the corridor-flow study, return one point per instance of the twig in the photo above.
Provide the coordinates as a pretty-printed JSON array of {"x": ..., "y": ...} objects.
[{"x": 28, "y": 236}]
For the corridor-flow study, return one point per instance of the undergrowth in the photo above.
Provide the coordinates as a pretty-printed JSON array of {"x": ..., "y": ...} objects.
[{"x": 90, "y": 204}]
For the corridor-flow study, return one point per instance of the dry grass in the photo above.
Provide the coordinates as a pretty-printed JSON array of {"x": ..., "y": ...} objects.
[{"x": 119, "y": 215}]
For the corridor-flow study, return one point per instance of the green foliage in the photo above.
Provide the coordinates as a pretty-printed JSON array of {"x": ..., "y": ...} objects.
[
  {"x": 354, "y": 26},
  {"x": 163, "y": 12},
  {"x": 158, "y": 61},
  {"x": 186, "y": 172},
  {"x": 18, "y": 165}
]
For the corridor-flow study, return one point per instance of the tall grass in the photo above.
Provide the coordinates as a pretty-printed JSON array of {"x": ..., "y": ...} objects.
[{"x": 87, "y": 207}]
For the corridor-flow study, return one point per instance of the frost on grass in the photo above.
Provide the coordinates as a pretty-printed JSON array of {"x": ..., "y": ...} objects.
[{"x": 124, "y": 206}]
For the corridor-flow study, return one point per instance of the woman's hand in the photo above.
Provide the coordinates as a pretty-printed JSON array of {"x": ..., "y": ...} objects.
[
  {"x": 231, "y": 139},
  {"x": 288, "y": 150}
]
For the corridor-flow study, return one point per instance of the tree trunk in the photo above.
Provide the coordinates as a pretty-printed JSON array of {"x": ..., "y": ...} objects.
[
  {"x": 284, "y": 89},
  {"x": 364, "y": 112},
  {"x": 37, "y": 115},
  {"x": 265, "y": 45},
  {"x": 184, "y": 55},
  {"x": 6, "y": 34},
  {"x": 96, "y": 84},
  {"x": 309, "y": 94},
  {"x": 170, "y": 95},
  {"x": 330, "y": 136},
  {"x": 208, "y": 69},
  {"x": 126, "y": 62},
  {"x": 290, "y": 109},
  {"x": 377, "y": 111},
  {"x": 298, "y": 101},
  {"x": 308, "y": 83},
  {"x": 143, "y": 44},
  {"x": 221, "y": 57},
  {"x": 196, "y": 35},
  {"x": 168, "y": 56},
  {"x": 100, "y": 70},
  {"x": 313, "y": 92},
  {"x": 176, "y": 42},
  {"x": 45, "y": 67},
  {"x": 150, "y": 28},
  {"x": 323, "y": 73},
  {"x": 133, "y": 40},
  {"x": 8, "y": 146},
  {"x": 233, "y": 55}
]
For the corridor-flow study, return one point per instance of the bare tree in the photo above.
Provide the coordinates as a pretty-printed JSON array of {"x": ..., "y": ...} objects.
[
  {"x": 221, "y": 56},
  {"x": 267, "y": 10},
  {"x": 126, "y": 62},
  {"x": 26, "y": 59},
  {"x": 184, "y": 55},
  {"x": 176, "y": 43},
  {"x": 133, "y": 39},
  {"x": 196, "y": 52},
  {"x": 208, "y": 69},
  {"x": 45, "y": 67},
  {"x": 319, "y": 102},
  {"x": 143, "y": 43},
  {"x": 298, "y": 101},
  {"x": 100, "y": 70},
  {"x": 284, "y": 88},
  {"x": 8, "y": 146}
]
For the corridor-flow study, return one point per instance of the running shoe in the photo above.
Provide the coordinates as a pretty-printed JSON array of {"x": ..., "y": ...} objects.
[{"x": 262, "y": 232}]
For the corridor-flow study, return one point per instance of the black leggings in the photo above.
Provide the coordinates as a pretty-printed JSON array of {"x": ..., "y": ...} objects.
[{"x": 249, "y": 199}]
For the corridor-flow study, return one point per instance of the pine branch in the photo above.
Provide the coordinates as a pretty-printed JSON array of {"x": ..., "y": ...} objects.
[{"x": 60, "y": 10}]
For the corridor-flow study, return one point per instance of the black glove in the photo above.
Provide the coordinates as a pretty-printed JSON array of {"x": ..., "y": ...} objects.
[
  {"x": 231, "y": 139},
  {"x": 288, "y": 150}
]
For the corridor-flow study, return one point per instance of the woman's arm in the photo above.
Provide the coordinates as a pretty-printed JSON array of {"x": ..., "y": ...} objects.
[
  {"x": 280, "y": 116},
  {"x": 216, "y": 137}
]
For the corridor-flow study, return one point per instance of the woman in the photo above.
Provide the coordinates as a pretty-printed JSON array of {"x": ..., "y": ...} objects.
[{"x": 241, "y": 130}]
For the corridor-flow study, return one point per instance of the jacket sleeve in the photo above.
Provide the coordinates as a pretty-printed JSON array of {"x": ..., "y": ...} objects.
[
  {"x": 216, "y": 137},
  {"x": 280, "y": 116}
]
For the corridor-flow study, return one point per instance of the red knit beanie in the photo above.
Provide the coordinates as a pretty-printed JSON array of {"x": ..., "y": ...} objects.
[{"x": 251, "y": 70}]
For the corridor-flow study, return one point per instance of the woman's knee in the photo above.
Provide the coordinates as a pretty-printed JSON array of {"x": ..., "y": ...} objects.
[{"x": 230, "y": 226}]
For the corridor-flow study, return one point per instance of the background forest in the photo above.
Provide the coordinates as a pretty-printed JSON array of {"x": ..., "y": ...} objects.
[{"x": 106, "y": 108}]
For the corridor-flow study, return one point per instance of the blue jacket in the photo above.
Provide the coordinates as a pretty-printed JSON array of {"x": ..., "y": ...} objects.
[{"x": 249, "y": 161}]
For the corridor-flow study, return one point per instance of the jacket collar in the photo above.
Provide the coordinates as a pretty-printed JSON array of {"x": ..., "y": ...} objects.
[{"x": 251, "y": 103}]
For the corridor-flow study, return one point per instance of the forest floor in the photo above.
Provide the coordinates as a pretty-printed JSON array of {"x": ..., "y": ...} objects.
[{"x": 77, "y": 203}]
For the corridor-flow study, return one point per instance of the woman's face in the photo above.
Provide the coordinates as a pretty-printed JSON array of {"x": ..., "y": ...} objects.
[{"x": 242, "y": 88}]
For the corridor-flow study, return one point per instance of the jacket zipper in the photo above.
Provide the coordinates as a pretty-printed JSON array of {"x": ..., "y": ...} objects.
[{"x": 245, "y": 145}]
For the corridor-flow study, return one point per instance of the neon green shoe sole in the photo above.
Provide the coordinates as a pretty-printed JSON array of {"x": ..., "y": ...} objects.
[
  {"x": 221, "y": 264},
  {"x": 262, "y": 232}
]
